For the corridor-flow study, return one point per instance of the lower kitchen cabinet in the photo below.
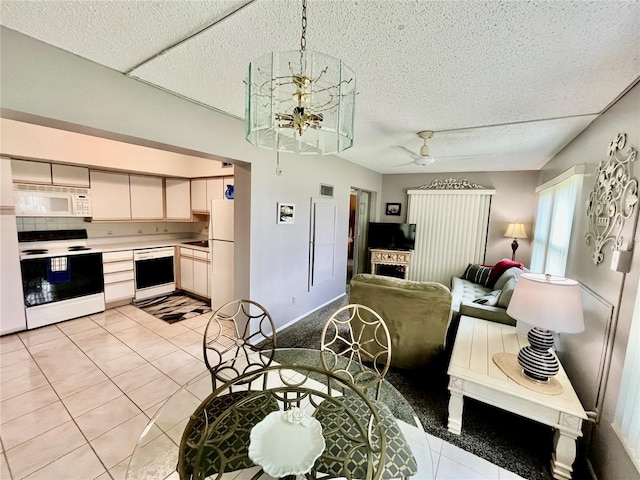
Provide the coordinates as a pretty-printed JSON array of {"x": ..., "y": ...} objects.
[
  {"x": 194, "y": 271},
  {"x": 119, "y": 283}
]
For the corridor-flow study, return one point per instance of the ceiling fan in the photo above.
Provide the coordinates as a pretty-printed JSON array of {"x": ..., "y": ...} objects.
[{"x": 424, "y": 159}]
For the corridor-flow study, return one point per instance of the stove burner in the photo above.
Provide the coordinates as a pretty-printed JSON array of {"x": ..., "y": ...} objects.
[
  {"x": 78, "y": 248},
  {"x": 35, "y": 251}
]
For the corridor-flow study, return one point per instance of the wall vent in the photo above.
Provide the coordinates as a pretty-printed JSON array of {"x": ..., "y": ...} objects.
[{"x": 326, "y": 190}]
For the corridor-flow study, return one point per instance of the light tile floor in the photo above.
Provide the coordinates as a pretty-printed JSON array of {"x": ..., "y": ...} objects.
[{"x": 75, "y": 397}]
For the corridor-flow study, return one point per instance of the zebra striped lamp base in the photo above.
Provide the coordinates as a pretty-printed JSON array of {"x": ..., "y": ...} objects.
[{"x": 536, "y": 360}]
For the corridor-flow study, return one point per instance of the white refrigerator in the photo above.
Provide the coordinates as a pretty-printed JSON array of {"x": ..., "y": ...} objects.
[{"x": 221, "y": 250}]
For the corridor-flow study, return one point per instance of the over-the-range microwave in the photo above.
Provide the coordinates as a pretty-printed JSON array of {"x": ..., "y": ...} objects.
[{"x": 51, "y": 201}]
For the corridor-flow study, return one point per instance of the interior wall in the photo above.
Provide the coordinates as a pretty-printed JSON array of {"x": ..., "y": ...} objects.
[
  {"x": 287, "y": 274},
  {"x": 515, "y": 200},
  {"x": 607, "y": 455},
  {"x": 40, "y": 80}
]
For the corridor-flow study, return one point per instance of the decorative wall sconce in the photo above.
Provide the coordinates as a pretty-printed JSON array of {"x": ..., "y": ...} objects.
[{"x": 612, "y": 200}]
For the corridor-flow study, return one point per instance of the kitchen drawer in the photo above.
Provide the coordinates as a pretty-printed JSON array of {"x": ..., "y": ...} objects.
[
  {"x": 118, "y": 266},
  {"x": 186, "y": 252},
  {"x": 119, "y": 291},
  {"x": 201, "y": 254},
  {"x": 118, "y": 277},
  {"x": 117, "y": 256}
]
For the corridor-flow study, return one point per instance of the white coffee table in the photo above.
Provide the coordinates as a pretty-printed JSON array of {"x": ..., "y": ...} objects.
[{"x": 472, "y": 373}]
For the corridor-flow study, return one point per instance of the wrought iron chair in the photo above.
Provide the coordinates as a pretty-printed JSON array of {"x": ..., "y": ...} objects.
[
  {"x": 239, "y": 339},
  {"x": 203, "y": 451},
  {"x": 242, "y": 331},
  {"x": 356, "y": 345}
]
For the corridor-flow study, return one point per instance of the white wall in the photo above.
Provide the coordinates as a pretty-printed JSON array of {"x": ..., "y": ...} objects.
[
  {"x": 45, "y": 85},
  {"x": 591, "y": 146},
  {"x": 515, "y": 199}
]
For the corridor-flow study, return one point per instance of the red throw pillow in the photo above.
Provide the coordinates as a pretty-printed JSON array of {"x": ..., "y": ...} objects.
[{"x": 500, "y": 267}]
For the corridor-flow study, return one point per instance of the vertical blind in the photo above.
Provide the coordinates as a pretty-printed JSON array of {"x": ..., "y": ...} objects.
[
  {"x": 626, "y": 422},
  {"x": 451, "y": 232},
  {"x": 554, "y": 220}
]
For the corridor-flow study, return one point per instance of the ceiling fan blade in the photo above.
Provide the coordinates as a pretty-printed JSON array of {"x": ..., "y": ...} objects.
[
  {"x": 405, "y": 164},
  {"x": 406, "y": 151},
  {"x": 463, "y": 156}
]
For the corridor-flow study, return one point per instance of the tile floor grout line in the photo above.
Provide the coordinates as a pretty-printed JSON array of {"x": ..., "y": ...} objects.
[{"x": 64, "y": 406}]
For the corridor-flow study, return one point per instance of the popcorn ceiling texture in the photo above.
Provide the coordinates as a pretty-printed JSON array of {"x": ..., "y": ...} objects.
[{"x": 420, "y": 65}]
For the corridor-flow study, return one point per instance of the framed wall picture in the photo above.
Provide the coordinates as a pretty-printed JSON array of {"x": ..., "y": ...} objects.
[
  {"x": 286, "y": 212},
  {"x": 393, "y": 209}
]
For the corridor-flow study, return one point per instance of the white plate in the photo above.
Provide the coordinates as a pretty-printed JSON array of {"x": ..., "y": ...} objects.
[{"x": 283, "y": 448}]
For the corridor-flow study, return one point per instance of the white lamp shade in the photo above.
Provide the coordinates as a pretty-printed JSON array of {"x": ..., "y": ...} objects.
[
  {"x": 548, "y": 302},
  {"x": 516, "y": 230}
]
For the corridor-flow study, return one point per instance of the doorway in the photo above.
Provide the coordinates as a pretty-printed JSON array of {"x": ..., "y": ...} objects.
[{"x": 360, "y": 210}]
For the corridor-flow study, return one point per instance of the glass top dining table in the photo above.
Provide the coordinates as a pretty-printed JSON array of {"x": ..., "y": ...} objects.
[{"x": 157, "y": 450}]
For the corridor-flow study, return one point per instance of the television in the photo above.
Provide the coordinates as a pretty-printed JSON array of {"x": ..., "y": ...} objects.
[{"x": 392, "y": 236}]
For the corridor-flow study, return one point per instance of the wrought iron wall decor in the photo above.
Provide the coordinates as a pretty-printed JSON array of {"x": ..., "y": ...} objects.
[
  {"x": 613, "y": 198},
  {"x": 451, "y": 184}
]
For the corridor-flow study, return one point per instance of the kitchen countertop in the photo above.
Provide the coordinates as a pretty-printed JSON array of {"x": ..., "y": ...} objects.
[{"x": 110, "y": 245}]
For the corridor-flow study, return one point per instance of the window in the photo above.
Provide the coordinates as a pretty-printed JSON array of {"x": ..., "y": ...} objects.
[
  {"x": 627, "y": 419},
  {"x": 553, "y": 223}
]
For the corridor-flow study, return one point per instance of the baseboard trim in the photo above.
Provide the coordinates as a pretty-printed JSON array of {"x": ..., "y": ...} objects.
[{"x": 295, "y": 320}]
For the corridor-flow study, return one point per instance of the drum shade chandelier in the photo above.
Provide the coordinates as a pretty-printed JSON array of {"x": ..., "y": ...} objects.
[{"x": 300, "y": 101}]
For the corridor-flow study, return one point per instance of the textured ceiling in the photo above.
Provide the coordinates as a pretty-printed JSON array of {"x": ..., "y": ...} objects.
[{"x": 531, "y": 75}]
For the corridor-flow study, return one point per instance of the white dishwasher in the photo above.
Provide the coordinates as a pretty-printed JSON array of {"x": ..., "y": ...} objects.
[{"x": 154, "y": 272}]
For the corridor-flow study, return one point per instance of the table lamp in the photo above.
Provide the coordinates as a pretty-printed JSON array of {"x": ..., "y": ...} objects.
[
  {"x": 548, "y": 303},
  {"x": 515, "y": 230}
]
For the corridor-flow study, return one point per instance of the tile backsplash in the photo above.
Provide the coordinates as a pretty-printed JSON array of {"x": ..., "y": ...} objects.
[{"x": 115, "y": 229}]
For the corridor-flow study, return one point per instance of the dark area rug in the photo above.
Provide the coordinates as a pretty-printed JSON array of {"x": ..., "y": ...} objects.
[
  {"x": 173, "y": 308},
  {"x": 519, "y": 445}
]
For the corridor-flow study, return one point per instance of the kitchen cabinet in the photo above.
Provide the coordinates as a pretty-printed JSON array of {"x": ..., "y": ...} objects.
[
  {"x": 195, "y": 266},
  {"x": 203, "y": 190},
  {"x": 25, "y": 171},
  {"x": 70, "y": 175},
  {"x": 177, "y": 199},
  {"x": 186, "y": 270},
  {"x": 119, "y": 285},
  {"x": 199, "y": 195},
  {"x": 215, "y": 190},
  {"x": 147, "y": 198},
  {"x": 110, "y": 198}
]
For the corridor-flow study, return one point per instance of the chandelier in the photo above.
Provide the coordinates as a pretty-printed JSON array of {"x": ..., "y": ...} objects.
[{"x": 300, "y": 101}]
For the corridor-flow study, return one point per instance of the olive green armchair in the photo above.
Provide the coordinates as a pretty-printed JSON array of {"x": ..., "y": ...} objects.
[{"x": 417, "y": 315}]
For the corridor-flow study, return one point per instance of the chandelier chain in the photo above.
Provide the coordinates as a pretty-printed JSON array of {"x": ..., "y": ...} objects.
[{"x": 303, "y": 38}]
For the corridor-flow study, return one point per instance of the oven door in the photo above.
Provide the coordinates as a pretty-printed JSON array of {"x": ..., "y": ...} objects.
[
  {"x": 154, "y": 272},
  {"x": 54, "y": 279}
]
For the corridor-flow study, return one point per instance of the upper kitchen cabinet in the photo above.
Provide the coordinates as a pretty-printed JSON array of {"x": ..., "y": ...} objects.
[
  {"x": 214, "y": 190},
  {"x": 178, "y": 199},
  {"x": 25, "y": 171},
  {"x": 147, "y": 199},
  {"x": 199, "y": 195},
  {"x": 203, "y": 190},
  {"x": 110, "y": 198},
  {"x": 70, "y": 176}
]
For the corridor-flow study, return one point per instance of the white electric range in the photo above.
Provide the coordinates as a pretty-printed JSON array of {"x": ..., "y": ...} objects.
[{"x": 62, "y": 277}]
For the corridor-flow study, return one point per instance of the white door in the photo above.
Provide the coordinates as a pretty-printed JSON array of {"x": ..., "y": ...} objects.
[{"x": 323, "y": 241}]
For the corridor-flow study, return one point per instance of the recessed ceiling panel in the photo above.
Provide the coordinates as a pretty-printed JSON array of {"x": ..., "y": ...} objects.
[
  {"x": 118, "y": 34},
  {"x": 420, "y": 65}
]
